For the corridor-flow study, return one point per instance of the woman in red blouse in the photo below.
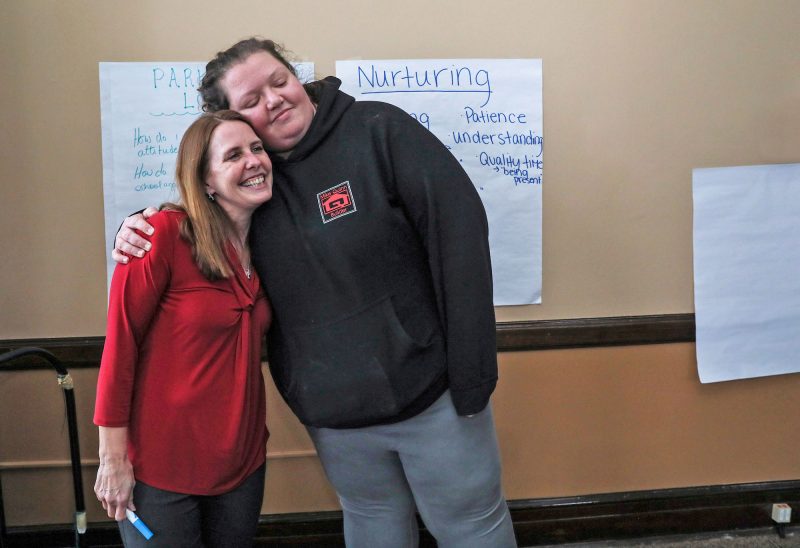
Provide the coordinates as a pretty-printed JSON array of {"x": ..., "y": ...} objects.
[{"x": 180, "y": 396}]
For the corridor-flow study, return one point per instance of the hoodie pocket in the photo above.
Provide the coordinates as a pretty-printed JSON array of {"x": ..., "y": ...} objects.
[{"x": 356, "y": 369}]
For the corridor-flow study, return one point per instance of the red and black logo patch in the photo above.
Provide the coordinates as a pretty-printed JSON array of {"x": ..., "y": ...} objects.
[{"x": 336, "y": 202}]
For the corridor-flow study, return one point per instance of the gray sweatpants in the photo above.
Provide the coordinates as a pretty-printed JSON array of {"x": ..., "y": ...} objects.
[{"x": 445, "y": 466}]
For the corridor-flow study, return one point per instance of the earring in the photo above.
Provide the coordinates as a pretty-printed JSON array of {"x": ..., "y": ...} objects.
[{"x": 211, "y": 197}]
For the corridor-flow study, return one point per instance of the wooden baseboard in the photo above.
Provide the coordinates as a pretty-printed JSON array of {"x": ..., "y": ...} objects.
[
  {"x": 663, "y": 512},
  {"x": 614, "y": 516}
]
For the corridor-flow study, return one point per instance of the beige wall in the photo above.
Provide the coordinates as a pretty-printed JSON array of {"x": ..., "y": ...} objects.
[
  {"x": 34, "y": 452},
  {"x": 636, "y": 94},
  {"x": 570, "y": 422}
]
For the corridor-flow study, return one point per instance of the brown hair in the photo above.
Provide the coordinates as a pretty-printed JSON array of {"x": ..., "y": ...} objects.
[
  {"x": 214, "y": 98},
  {"x": 206, "y": 227}
]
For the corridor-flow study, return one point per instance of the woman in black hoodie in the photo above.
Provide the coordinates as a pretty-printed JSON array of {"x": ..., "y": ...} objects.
[{"x": 374, "y": 253}]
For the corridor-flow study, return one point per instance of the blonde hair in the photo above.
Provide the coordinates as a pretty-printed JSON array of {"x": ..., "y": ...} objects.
[{"x": 206, "y": 226}]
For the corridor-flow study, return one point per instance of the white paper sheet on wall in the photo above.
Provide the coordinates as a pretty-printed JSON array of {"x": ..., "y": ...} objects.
[
  {"x": 488, "y": 112},
  {"x": 145, "y": 108},
  {"x": 747, "y": 271}
]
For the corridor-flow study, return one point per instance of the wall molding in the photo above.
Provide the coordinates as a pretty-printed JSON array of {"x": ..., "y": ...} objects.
[
  {"x": 610, "y": 516},
  {"x": 85, "y": 352},
  {"x": 73, "y": 352},
  {"x": 593, "y": 332}
]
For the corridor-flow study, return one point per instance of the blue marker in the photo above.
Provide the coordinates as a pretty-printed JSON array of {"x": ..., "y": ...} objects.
[{"x": 139, "y": 524}]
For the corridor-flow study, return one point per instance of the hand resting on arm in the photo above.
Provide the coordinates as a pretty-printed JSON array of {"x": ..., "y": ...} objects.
[{"x": 128, "y": 242}]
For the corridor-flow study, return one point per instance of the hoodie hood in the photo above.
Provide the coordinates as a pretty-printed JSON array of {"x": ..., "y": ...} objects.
[{"x": 330, "y": 108}]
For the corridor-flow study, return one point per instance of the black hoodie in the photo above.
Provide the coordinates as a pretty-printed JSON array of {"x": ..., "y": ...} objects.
[{"x": 374, "y": 252}]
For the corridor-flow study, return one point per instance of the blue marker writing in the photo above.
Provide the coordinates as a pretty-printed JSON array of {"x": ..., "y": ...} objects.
[{"x": 139, "y": 524}]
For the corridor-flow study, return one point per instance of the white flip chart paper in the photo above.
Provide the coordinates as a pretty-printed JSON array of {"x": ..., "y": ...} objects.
[{"x": 747, "y": 271}]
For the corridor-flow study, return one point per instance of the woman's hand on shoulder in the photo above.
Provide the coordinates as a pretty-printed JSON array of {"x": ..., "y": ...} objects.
[{"x": 128, "y": 243}]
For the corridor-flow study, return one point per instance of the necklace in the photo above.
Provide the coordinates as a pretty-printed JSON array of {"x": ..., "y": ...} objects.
[{"x": 243, "y": 250}]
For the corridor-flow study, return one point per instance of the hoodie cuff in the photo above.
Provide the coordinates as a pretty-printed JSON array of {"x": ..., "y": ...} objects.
[{"x": 469, "y": 401}]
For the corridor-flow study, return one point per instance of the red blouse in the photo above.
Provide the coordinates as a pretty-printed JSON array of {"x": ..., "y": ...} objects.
[{"x": 181, "y": 368}]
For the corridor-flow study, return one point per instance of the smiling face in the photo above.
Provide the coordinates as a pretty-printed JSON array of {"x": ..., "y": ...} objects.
[
  {"x": 271, "y": 98},
  {"x": 238, "y": 171}
]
